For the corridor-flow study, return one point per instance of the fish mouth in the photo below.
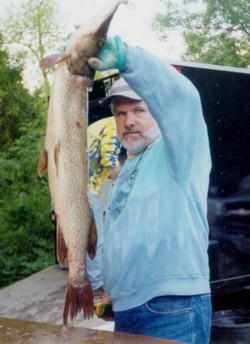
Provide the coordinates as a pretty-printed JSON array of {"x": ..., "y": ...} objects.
[
  {"x": 91, "y": 38},
  {"x": 104, "y": 25},
  {"x": 98, "y": 25}
]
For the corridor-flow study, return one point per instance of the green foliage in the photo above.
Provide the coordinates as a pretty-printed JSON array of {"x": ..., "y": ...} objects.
[
  {"x": 26, "y": 230},
  {"x": 17, "y": 106},
  {"x": 33, "y": 26},
  {"x": 25, "y": 221},
  {"x": 214, "y": 31}
]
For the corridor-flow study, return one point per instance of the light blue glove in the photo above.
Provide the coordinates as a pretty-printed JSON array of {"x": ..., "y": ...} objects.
[{"x": 112, "y": 56}]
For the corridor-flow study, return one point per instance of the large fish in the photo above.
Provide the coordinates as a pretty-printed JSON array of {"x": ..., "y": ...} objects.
[{"x": 65, "y": 156}]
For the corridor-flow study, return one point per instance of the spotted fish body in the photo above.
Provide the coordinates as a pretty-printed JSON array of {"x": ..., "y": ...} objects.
[{"x": 65, "y": 157}]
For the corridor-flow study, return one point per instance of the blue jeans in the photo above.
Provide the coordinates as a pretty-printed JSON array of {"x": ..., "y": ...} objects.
[
  {"x": 94, "y": 267},
  {"x": 183, "y": 318}
]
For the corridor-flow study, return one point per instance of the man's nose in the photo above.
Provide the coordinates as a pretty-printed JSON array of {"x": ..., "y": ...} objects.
[{"x": 129, "y": 120}]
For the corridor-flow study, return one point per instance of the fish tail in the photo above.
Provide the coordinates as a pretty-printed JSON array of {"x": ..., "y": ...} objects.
[{"x": 77, "y": 300}]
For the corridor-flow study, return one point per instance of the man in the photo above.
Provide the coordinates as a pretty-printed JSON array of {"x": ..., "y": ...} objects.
[
  {"x": 155, "y": 262},
  {"x": 104, "y": 149}
]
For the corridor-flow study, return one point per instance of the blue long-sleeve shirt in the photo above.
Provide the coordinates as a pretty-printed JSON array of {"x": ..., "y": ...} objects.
[{"x": 156, "y": 231}]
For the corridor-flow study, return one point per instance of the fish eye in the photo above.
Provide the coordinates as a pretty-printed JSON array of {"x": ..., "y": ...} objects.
[{"x": 101, "y": 42}]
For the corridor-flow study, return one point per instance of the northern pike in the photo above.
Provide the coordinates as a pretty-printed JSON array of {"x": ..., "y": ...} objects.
[{"x": 65, "y": 156}]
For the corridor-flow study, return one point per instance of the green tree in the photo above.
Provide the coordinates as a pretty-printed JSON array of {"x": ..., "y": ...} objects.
[
  {"x": 26, "y": 232},
  {"x": 34, "y": 25},
  {"x": 214, "y": 31},
  {"x": 16, "y": 104}
]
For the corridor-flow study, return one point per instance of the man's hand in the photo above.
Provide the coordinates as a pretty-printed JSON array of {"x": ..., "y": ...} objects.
[
  {"x": 114, "y": 172},
  {"x": 104, "y": 308},
  {"x": 106, "y": 298},
  {"x": 112, "y": 55}
]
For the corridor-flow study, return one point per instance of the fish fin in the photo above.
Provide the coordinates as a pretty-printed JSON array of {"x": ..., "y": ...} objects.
[
  {"x": 43, "y": 163},
  {"x": 77, "y": 300},
  {"x": 56, "y": 156},
  {"x": 61, "y": 248},
  {"x": 92, "y": 239},
  {"x": 51, "y": 60}
]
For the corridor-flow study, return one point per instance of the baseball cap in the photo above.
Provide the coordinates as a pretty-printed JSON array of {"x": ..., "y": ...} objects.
[{"x": 122, "y": 89}]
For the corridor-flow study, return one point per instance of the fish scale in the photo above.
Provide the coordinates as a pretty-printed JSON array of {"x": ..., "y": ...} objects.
[{"x": 65, "y": 157}]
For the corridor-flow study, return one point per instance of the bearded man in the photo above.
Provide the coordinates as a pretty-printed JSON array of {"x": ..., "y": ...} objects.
[{"x": 155, "y": 260}]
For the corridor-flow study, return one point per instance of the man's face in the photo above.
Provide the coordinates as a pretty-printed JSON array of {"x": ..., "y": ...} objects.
[{"x": 136, "y": 128}]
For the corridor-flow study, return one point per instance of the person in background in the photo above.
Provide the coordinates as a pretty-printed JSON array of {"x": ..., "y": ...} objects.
[
  {"x": 104, "y": 149},
  {"x": 155, "y": 259}
]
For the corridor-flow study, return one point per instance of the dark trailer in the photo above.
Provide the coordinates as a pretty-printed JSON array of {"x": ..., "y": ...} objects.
[{"x": 225, "y": 97}]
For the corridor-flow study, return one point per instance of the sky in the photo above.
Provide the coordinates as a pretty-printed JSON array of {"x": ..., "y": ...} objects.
[{"x": 132, "y": 24}]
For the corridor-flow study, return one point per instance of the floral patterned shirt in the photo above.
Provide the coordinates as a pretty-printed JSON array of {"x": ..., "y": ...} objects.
[{"x": 104, "y": 149}]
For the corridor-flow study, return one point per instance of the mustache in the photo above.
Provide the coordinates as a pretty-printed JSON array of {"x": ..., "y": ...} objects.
[{"x": 129, "y": 131}]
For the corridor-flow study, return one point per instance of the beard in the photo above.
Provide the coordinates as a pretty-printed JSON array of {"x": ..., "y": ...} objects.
[{"x": 135, "y": 146}]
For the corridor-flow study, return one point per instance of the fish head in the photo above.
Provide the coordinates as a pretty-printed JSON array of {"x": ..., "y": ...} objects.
[{"x": 88, "y": 39}]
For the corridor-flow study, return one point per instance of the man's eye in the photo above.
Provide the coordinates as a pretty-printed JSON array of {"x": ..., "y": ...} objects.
[
  {"x": 119, "y": 114},
  {"x": 138, "y": 111}
]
